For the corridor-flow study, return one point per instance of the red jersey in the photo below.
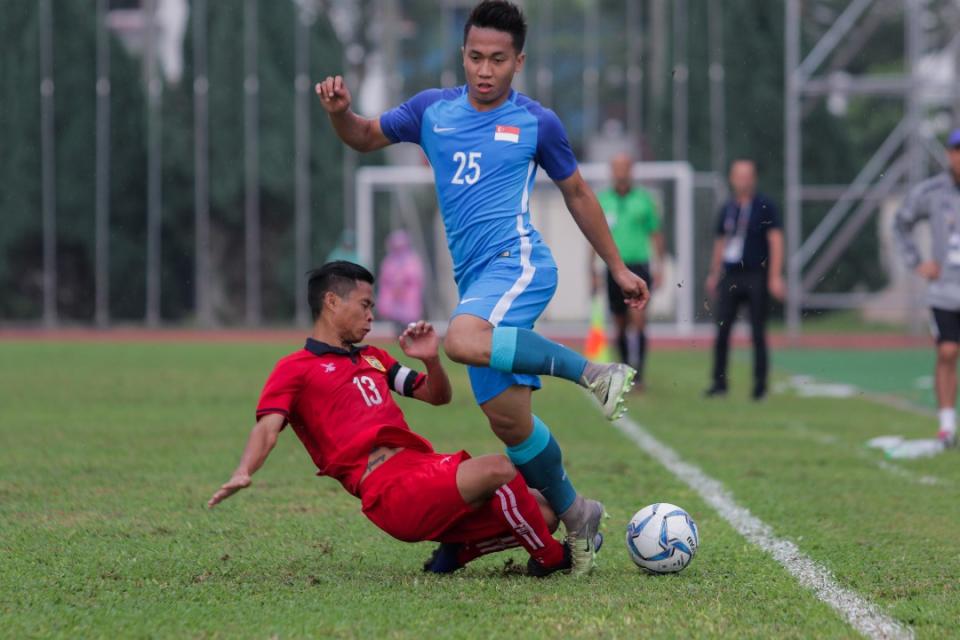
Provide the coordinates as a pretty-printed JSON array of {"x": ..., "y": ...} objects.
[{"x": 340, "y": 406}]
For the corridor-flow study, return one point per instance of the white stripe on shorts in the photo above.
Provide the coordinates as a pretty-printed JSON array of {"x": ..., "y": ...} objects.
[{"x": 526, "y": 277}]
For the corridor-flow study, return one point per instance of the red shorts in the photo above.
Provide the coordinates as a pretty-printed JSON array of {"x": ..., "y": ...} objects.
[{"x": 413, "y": 496}]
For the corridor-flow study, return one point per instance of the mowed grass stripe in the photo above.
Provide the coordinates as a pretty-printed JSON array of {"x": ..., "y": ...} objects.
[
  {"x": 108, "y": 452},
  {"x": 862, "y": 615}
]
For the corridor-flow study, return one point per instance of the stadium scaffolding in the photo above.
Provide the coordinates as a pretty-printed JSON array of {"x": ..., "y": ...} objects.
[{"x": 901, "y": 161}]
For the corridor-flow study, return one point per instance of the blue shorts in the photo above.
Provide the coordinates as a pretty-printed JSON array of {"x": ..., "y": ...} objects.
[{"x": 512, "y": 290}]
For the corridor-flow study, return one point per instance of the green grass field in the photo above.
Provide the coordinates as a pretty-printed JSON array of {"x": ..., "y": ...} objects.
[{"x": 109, "y": 451}]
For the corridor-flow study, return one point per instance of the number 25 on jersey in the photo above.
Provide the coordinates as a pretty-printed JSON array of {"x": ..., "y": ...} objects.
[{"x": 468, "y": 170}]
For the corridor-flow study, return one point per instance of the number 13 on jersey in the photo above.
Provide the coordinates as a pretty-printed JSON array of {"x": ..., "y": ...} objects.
[
  {"x": 468, "y": 171},
  {"x": 368, "y": 389}
]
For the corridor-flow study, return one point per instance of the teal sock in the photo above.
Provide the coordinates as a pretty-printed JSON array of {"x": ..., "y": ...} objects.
[
  {"x": 523, "y": 351},
  {"x": 540, "y": 462}
]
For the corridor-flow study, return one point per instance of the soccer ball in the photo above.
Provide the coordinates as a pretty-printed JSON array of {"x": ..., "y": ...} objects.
[{"x": 662, "y": 538}]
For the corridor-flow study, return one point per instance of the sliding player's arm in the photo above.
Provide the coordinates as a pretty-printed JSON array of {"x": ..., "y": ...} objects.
[
  {"x": 587, "y": 213},
  {"x": 420, "y": 340},
  {"x": 262, "y": 439},
  {"x": 362, "y": 134}
]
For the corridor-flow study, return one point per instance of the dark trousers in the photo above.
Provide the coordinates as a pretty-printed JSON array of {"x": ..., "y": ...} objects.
[{"x": 737, "y": 288}]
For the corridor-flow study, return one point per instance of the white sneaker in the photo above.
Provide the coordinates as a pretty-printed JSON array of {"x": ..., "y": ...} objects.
[{"x": 610, "y": 386}]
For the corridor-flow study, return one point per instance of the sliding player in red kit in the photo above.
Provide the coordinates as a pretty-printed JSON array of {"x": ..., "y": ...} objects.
[{"x": 336, "y": 395}]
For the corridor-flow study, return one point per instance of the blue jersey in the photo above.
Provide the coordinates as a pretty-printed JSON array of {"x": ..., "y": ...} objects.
[{"x": 484, "y": 165}]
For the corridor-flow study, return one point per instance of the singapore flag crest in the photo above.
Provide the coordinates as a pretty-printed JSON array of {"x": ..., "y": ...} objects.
[{"x": 506, "y": 133}]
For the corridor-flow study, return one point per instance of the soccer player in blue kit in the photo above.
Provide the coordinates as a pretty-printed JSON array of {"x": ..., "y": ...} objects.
[{"x": 485, "y": 142}]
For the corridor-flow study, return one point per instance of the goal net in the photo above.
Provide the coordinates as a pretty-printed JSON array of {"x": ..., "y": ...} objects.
[{"x": 391, "y": 197}]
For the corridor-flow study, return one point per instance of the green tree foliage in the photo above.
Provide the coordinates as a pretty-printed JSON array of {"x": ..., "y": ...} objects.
[
  {"x": 276, "y": 71},
  {"x": 75, "y": 61},
  {"x": 74, "y": 121}
]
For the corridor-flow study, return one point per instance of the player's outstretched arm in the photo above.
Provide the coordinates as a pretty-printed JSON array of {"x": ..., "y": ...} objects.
[
  {"x": 588, "y": 214},
  {"x": 262, "y": 438},
  {"x": 360, "y": 133},
  {"x": 420, "y": 341}
]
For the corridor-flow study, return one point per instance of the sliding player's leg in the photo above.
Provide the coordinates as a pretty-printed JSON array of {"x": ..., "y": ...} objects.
[
  {"x": 418, "y": 496},
  {"x": 447, "y": 557},
  {"x": 493, "y": 484}
]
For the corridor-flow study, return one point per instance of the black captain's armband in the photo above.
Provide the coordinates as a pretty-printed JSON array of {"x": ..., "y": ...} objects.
[{"x": 402, "y": 379}]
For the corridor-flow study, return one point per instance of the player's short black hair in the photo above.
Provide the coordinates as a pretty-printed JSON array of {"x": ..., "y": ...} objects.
[
  {"x": 500, "y": 15},
  {"x": 339, "y": 276}
]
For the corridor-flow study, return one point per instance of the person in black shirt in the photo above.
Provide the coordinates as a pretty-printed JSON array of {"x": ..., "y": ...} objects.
[{"x": 745, "y": 268}]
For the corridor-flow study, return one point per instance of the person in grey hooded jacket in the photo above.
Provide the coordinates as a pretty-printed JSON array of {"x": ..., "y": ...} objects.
[{"x": 937, "y": 201}]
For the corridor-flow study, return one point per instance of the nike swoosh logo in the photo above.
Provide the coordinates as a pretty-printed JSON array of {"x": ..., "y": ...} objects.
[
  {"x": 437, "y": 129},
  {"x": 466, "y": 300}
]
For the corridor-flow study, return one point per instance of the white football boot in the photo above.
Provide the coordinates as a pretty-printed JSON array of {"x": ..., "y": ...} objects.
[{"x": 610, "y": 386}]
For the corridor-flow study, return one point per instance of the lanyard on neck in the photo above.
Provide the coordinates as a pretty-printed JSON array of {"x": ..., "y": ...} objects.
[{"x": 743, "y": 218}]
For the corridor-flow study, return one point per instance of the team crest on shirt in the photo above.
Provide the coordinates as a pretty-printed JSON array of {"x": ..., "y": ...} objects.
[
  {"x": 506, "y": 133},
  {"x": 376, "y": 364}
]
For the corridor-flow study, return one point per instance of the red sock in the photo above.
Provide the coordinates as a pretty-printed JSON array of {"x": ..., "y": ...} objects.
[
  {"x": 519, "y": 511},
  {"x": 470, "y": 551}
]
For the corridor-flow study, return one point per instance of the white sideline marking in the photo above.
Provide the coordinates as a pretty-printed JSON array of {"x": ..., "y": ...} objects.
[
  {"x": 808, "y": 387},
  {"x": 864, "y": 616},
  {"x": 896, "y": 402}
]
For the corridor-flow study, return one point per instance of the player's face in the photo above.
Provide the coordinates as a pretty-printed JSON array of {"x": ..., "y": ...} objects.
[
  {"x": 743, "y": 178},
  {"x": 490, "y": 62},
  {"x": 354, "y": 313},
  {"x": 953, "y": 155}
]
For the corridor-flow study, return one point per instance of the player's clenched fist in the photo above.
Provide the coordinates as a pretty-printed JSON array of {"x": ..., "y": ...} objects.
[
  {"x": 334, "y": 95},
  {"x": 420, "y": 340}
]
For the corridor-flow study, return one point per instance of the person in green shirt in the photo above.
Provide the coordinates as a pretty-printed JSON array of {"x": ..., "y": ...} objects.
[{"x": 635, "y": 226}]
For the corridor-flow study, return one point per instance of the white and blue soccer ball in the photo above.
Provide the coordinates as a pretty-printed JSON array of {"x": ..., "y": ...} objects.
[{"x": 662, "y": 538}]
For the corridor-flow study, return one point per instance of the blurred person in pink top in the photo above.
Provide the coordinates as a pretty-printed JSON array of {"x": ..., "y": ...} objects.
[{"x": 400, "y": 290}]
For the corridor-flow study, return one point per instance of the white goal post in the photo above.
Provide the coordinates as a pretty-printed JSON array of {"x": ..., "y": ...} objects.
[{"x": 672, "y": 184}]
